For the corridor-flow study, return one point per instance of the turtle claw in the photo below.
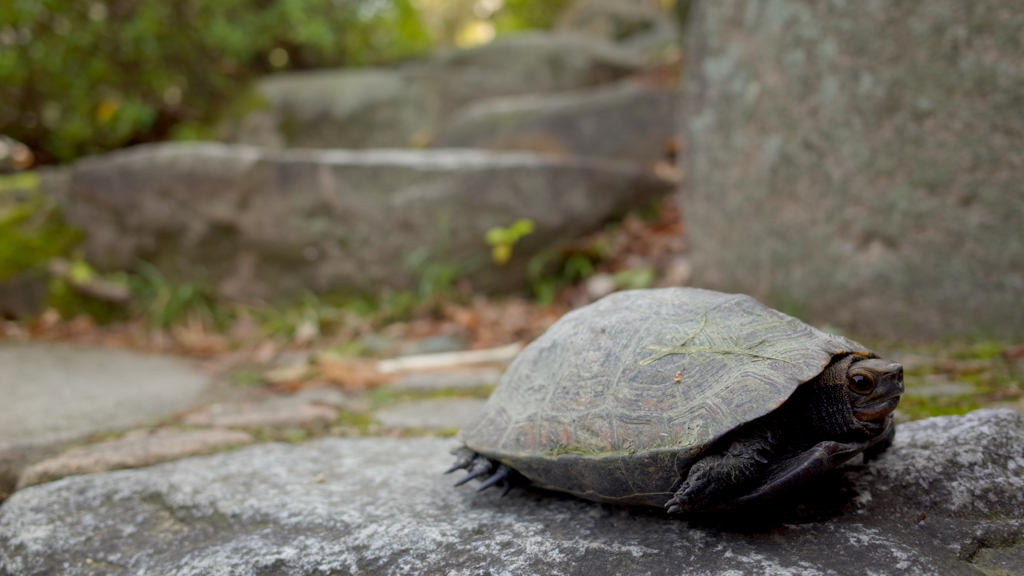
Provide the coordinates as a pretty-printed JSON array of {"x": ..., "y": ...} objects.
[
  {"x": 499, "y": 475},
  {"x": 674, "y": 508},
  {"x": 468, "y": 477},
  {"x": 463, "y": 459},
  {"x": 478, "y": 466}
]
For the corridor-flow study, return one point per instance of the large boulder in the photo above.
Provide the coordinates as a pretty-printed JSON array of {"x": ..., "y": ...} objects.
[
  {"x": 628, "y": 120},
  {"x": 346, "y": 108},
  {"x": 405, "y": 106},
  {"x": 947, "y": 498},
  {"x": 640, "y": 25},
  {"x": 257, "y": 223},
  {"x": 853, "y": 162}
]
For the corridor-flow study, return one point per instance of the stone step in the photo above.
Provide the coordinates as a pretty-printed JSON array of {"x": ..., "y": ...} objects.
[
  {"x": 406, "y": 105},
  {"x": 265, "y": 224},
  {"x": 627, "y": 120},
  {"x": 381, "y": 506}
]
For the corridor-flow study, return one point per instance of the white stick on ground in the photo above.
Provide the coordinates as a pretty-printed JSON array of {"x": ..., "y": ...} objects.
[{"x": 422, "y": 361}]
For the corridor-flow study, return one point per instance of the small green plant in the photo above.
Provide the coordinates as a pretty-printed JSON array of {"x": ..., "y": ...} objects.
[
  {"x": 164, "y": 303},
  {"x": 438, "y": 278},
  {"x": 247, "y": 378},
  {"x": 551, "y": 270},
  {"x": 635, "y": 278},
  {"x": 502, "y": 240},
  {"x": 32, "y": 230}
]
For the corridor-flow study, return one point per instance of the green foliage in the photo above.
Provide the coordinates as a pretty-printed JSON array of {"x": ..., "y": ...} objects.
[
  {"x": 84, "y": 77},
  {"x": 32, "y": 230},
  {"x": 978, "y": 373},
  {"x": 247, "y": 378},
  {"x": 437, "y": 274},
  {"x": 516, "y": 15},
  {"x": 551, "y": 270},
  {"x": 164, "y": 304},
  {"x": 635, "y": 278},
  {"x": 501, "y": 240}
]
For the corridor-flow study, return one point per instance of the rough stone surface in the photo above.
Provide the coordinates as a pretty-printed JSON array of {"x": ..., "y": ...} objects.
[
  {"x": 628, "y": 121},
  {"x": 528, "y": 63},
  {"x": 466, "y": 378},
  {"x": 54, "y": 392},
  {"x": 946, "y": 499},
  {"x": 23, "y": 295},
  {"x": 276, "y": 412},
  {"x": 337, "y": 109},
  {"x": 273, "y": 224},
  {"x": 432, "y": 414},
  {"x": 405, "y": 106},
  {"x": 851, "y": 161},
  {"x": 641, "y": 25},
  {"x": 134, "y": 450}
]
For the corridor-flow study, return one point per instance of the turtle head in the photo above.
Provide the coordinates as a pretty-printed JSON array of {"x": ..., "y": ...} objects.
[{"x": 875, "y": 386}]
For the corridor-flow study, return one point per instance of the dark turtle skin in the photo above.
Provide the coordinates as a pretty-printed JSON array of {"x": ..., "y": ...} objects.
[{"x": 684, "y": 398}]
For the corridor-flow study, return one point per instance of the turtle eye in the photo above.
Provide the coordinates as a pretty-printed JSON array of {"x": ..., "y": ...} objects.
[{"x": 862, "y": 384}]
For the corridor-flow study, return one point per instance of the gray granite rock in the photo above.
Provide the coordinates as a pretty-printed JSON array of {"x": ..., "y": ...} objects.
[
  {"x": 856, "y": 161},
  {"x": 279, "y": 412},
  {"x": 431, "y": 414},
  {"x": 51, "y": 395},
  {"x": 439, "y": 380},
  {"x": 405, "y": 106},
  {"x": 273, "y": 224},
  {"x": 347, "y": 108},
  {"x": 134, "y": 450},
  {"x": 946, "y": 499},
  {"x": 54, "y": 392},
  {"x": 627, "y": 120},
  {"x": 23, "y": 295},
  {"x": 641, "y": 25}
]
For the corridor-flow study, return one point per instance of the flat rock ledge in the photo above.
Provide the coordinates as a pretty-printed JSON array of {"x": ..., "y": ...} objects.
[
  {"x": 947, "y": 498},
  {"x": 275, "y": 224},
  {"x": 137, "y": 448}
]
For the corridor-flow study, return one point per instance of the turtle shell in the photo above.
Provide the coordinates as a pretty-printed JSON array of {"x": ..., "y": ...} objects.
[{"x": 618, "y": 399}]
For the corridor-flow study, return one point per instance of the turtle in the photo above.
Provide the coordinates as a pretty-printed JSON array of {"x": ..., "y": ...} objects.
[{"x": 682, "y": 398}]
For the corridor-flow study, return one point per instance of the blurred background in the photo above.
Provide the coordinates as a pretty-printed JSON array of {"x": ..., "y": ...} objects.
[{"x": 296, "y": 218}]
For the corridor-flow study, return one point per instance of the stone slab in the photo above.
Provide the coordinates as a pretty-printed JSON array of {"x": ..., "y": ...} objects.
[
  {"x": 442, "y": 379},
  {"x": 405, "y": 106},
  {"x": 626, "y": 120},
  {"x": 275, "y": 224},
  {"x": 135, "y": 449},
  {"x": 946, "y": 499},
  {"x": 274, "y": 412},
  {"x": 432, "y": 414},
  {"x": 53, "y": 392}
]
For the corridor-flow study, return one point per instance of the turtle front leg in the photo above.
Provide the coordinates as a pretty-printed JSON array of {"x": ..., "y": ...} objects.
[{"x": 717, "y": 478}]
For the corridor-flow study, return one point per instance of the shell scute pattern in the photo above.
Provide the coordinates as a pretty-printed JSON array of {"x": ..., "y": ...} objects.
[{"x": 602, "y": 380}]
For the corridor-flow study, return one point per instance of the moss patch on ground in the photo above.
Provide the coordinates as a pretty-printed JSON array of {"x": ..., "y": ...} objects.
[{"x": 956, "y": 378}]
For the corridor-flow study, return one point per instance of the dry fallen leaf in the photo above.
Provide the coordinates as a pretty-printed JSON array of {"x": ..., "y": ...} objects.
[
  {"x": 287, "y": 374},
  {"x": 351, "y": 373}
]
